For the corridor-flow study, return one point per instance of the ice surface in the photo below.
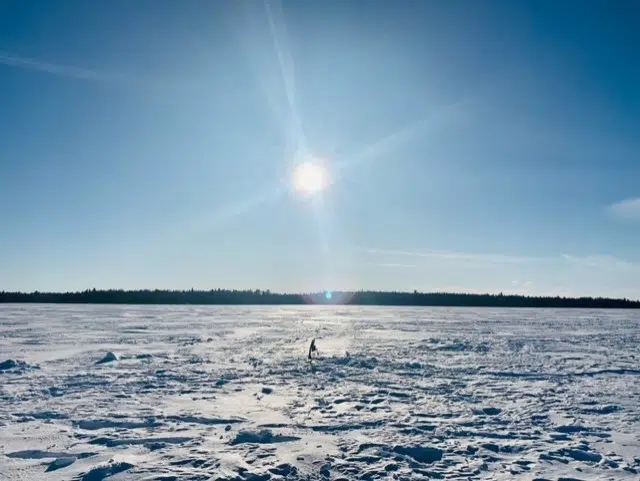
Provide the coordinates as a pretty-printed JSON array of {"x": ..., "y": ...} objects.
[{"x": 227, "y": 393}]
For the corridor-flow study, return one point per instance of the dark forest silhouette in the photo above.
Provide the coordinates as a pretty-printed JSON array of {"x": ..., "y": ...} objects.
[{"x": 259, "y": 297}]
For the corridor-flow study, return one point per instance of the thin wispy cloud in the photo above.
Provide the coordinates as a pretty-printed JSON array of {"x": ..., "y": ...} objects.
[
  {"x": 79, "y": 73},
  {"x": 396, "y": 265},
  {"x": 461, "y": 289},
  {"x": 456, "y": 256},
  {"x": 628, "y": 209},
  {"x": 517, "y": 283},
  {"x": 600, "y": 261}
]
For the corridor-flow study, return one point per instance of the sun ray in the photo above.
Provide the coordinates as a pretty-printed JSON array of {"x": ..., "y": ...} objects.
[
  {"x": 278, "y": 30},
  {"x": 398, "y": 138}
]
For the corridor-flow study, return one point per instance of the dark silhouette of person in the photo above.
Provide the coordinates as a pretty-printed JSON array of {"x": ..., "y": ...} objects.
[{"x": 312, "y": 348}]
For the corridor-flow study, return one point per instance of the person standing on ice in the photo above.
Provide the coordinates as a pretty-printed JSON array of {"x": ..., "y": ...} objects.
[{"x": 312, "y": 348}]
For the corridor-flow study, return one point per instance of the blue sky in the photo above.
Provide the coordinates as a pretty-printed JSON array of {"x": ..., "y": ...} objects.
[{"x": 472, "y": 146}]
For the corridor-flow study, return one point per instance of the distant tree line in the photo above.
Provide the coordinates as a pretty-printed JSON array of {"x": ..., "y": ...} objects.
[{"x": 260, "y": 297}]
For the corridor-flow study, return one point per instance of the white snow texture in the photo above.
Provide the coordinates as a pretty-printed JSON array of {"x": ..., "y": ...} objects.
[{"x": 91, "y": 393}]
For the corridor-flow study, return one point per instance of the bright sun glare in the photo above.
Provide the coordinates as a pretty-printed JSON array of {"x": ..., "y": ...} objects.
[{"x": 310, "y": 178}]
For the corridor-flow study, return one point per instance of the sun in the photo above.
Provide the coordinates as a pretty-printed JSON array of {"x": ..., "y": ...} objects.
[{"x": 310, "y": 178}]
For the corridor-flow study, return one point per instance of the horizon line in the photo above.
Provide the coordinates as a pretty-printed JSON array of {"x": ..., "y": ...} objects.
[{"x": 320, "y": 293}]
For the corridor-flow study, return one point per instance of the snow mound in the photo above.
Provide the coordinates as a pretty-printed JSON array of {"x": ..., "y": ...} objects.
[
  {"x": 487, "y": 411},
  {"x": 264, "y": 436},
  {"x": 101, "y": 472},
  {"x": 109, "y": 357},
  {"x": 284, "y": 469},
  {"x": 353, "y": 362},
  {"x": 12, "y": 364},
  {"x": 8, "y": 364},
  {"x": 60, "y": 463},
  {"x": 572, "y": 429},
  {"x": 420, "y": 453},
  {"x": 601, "y": 410},
  {"x": 583, "y": 455}
]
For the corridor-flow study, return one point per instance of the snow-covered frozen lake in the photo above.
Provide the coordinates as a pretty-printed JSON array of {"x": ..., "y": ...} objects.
[{"x": 226, "y": 393}]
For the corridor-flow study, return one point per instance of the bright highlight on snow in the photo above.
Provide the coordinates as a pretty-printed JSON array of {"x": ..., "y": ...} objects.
[{"x": 310, "y": 178}]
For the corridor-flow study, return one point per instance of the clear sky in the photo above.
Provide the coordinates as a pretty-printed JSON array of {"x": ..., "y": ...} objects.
[{"x": 471, "y": 146}]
